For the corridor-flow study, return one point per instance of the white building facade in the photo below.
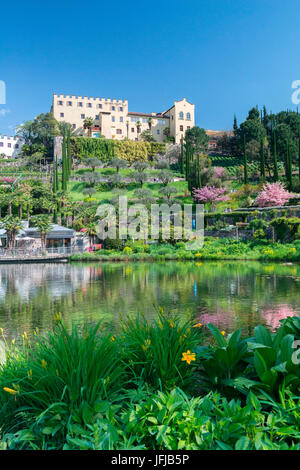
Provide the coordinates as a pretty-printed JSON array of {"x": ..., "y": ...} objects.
[{"x": 10, "y": 147}]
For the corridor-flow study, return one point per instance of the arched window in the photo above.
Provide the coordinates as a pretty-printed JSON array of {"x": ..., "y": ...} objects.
[
  {"x": 181, "y": 115},
  {"x": 188, "y": 116}
]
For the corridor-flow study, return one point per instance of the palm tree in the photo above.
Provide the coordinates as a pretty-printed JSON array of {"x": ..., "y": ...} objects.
[
  {"x": 19, "y": 200},
  {"x": 12, "y": 225},
  {"x": 88, "y": 123},
  {"x": 91, "y": 231},
  {"x": 127, "y": 127},
  {"x": 26, "y": 199},
  {"x": 43, "y": 224},
  {"x": 49, "y": 204},
  {"x": 9, "y": 199},
  {"x": 138, "y": 127}
]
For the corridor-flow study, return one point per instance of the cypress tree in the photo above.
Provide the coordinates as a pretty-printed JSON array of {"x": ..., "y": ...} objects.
[
  {"x": 276, "y": 177},
  {"x": 64, "y": 165},
  {"x": 54, "y": 178},
  {"x": 289, "y": 167},
  {"x": 262, "y": 161},
  {"x": 245, "y": 163},
  {"x": 56, "y": 174},
  {"x": 69, "y": 156},
  {"x": 199, "y": 183},
  {"x": 181, "y": 156}
]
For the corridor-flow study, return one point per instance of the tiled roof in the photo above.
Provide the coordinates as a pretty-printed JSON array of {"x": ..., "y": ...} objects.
[{"x": 159, "y": 115}]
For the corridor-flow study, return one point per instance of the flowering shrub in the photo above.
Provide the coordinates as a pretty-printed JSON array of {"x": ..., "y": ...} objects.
[
  {"x": 210, "y": 195},
  {"x": 273, "y": 194}
]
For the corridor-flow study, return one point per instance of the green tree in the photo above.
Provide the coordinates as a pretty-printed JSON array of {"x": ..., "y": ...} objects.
[
  {"x": 43, "y": 224},
  {"x": 93, "y": 163},
  {"x": 88, "y": 123},
  {"x": 197, "y": 138},
  {"x": 12, "y": 225}
]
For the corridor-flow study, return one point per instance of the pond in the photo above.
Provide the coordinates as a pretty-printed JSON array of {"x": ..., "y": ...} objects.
[{"x": 228, "y": 294}]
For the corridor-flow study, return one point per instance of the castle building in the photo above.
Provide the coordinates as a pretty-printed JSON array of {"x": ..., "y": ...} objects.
[
  {"x": 112, "y": 119},
  {"x": 10, "y": 147}
]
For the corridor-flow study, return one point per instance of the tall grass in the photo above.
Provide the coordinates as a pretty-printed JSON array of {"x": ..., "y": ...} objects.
[
  {"x": 56, "y": 383},
  {"x": 154, "y": 351}
]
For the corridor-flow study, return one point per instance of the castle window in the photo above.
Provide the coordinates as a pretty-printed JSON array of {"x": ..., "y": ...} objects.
[
  {"x": 1, "y": 144},
  {"x": 16, "y": 146},
  {"x": 132, "y": 129},
  {"x": 69, "y": 103},
  {"x": 62, "y": 114},
  {"x": 181, "y": 128},
  {"x": 97, "y": 118},
  {"x": 181, "y": 116},
  {"x": 9, "y": 146},
  {"x": 89, "y": 105},
  {"x": 121, "y": 119},
  {"x": 121, "y": 109},
  {"x": 188, "y": 116},
  {"x": 80, "y": 104},
  {"x": 157, "y": 132},
  {"x": 119, "y": 131},
  {"x": 60, "y": 103},
  {"x": 99, "y": 106},
  {"x": 82, "y": 116},
  {"x": 74, "y": 126},
  {"x": 113, "y": 108},
  {"x": 113, "y": 119}
]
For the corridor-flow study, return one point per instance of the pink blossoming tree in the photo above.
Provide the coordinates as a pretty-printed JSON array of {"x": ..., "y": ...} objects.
[
  {"x": 273, "y": 194},
  {"x": 209, "y": 195}
]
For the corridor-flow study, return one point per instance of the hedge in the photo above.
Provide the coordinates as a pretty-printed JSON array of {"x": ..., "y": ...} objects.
[{"x": 106, "y": 149}]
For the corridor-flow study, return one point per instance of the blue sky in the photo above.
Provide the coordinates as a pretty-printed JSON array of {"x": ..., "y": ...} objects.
[{"x": 223, "y": 55}]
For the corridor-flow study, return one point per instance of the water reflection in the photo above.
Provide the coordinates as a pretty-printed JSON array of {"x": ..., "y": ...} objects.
[{"x": 229, "y": 294}]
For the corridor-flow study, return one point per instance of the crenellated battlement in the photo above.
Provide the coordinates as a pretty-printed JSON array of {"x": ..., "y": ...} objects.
[
  {"x": 91, "y": 98},
  {"x": 10, "y": 138}
]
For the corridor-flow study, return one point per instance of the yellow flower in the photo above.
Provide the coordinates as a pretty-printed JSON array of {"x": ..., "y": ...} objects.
[
  {"x": 29, "y": 373},
  {"x": 44, "y": 363},
  {"x": 146, "y": 345},
  {"x": 1, "y": 332},
  {"x": 25, "y": 335},
  {"x": 106, "y": 381},
  {"x": 171, "y": 323},
  {"x": 198, "y": 255},
  {"x": 57, "y": 318},
  {"x": 10, "y": 390},
  {"x": 113, "y": 338},
  {"x": 198, "y": 325},
  {"x": 223, "y": 333},
  {"x": 188, "y": 356}
]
